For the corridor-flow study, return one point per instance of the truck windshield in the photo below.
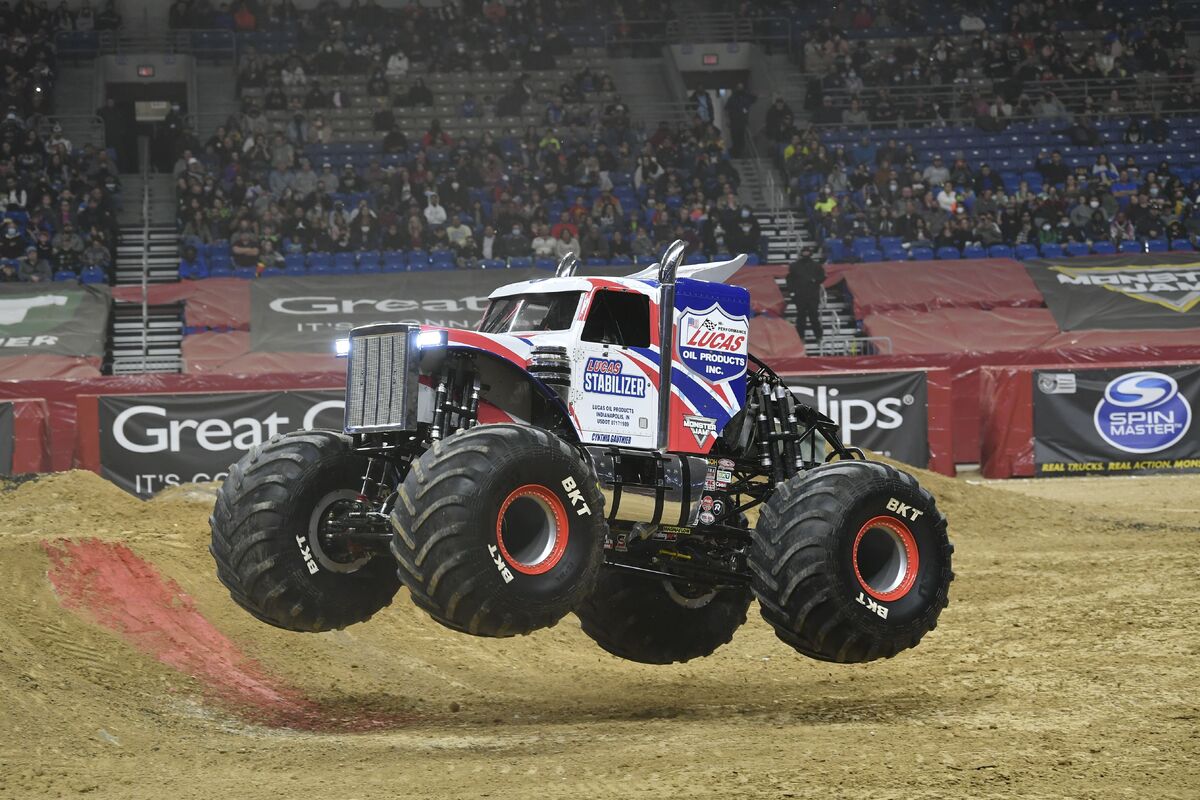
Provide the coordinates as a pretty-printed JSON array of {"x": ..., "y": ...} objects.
[{"x": 531, "y": 313}]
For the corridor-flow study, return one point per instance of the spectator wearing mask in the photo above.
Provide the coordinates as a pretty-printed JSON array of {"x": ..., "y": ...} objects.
[{"x": 514, "y": 244}]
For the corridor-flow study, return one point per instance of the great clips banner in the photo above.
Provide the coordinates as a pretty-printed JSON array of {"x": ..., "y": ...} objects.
[
  {"x": 1126, "y": 292},
  {"x": 1116, "y": 421},
  {"x": 887, "y": 412},
  {"x": 63, "y": 320},
  {"x": 308, "y": 314},
  {"x": 148, "y": 442}
]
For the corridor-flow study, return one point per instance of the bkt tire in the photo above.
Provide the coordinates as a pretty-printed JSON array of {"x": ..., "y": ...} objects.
[
  {"x": 266, "y": 528},
  {"x": 851, "y": 562},
  {"x": 656, "y": 621},
  {"x": 499, "y": 530}
]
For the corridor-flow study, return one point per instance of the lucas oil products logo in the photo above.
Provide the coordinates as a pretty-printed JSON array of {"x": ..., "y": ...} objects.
[
  {"x": 1142, "y": 412},
  {"x": 606, "y": 376},
  {"x": 713, "y": 343}
]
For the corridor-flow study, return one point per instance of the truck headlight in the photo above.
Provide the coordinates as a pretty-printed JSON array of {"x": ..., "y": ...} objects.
[
  {"x": 435, "y": 338},
  {"x": 341, "y": 348}
]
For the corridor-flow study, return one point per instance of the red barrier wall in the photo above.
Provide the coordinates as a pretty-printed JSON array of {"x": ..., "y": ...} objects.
[
  {"x": 31, "y": 436},
  {"x": 60, "y": 396}
]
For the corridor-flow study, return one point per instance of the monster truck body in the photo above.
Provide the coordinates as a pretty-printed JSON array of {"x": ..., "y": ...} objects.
[{"x": 503, "y": 467}]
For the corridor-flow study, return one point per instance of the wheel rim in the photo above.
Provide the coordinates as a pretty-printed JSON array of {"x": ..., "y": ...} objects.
[
  {"x": 532, "y": 529},
  {"x": 885, "y": 558},
  {"x": 328, "y": 506},
  {"x": 689, "y": 596}
]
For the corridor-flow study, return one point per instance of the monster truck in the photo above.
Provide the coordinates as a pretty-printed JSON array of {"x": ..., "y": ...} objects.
[{"x": 553, "y": 461}]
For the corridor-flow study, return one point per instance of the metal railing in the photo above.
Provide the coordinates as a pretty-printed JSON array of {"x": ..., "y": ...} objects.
[
  {"x": 80, "y": 129},
  {"x": 144, "y": 158},
  {"x": 958, "y": 121},
  {"x": 214, "y": 44},
  {"x": 698, "y": 29},
  {"x": 852, "y": 346}
]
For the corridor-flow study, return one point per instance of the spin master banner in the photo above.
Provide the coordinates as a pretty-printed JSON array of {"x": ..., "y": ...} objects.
[{"x": 1116, "y": 421}]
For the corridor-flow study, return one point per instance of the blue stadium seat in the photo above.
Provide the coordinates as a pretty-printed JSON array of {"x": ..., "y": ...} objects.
[
  {"x": 1000, "y": 251},
  {"x": 595, "y": 261},
  {"x": 948, "y": 253},
  {"x": 394, "y": 261},
  {"x": 294, "y": 260},
  {"x": 621, "y": 261},
  {"x": 294, "y": 269},
  {"x": 368, "y": 257},
  {"x": 871, "y": 255},
  {"x": 835, "y": 249},
  {"x": 272, "y": 272},
  {"x": 1157, "y": 246},
  {"x": 245, "y": 273},
  {"x": 1103, "y": 248},
  {"x": 544, "y": 262},
  {"x": 443, "y": 259},
  {"x": 219, "y": 270},
  {"x": 1131, "y": 246},
  {"x": 520, "y": 262},
  {"x": 321, "y": 268},
  {"x": 345, "y": 263},
  {"x": 752, "y": 259},
  {"x": 895, "y": 253},
  {"x": 65, "y": 275},
  {"x": 493, "y": 263},
  {"x": 1181, "y": 244},
  {"x": 1077, "y": 249},
  {"x": 320, "y": 260},
  {"x": 418, "y": 259},
  {"x": 1052, "y": 250},
  {"x": 922, "y": 253},
  {"x": 1024, "y": 251}
]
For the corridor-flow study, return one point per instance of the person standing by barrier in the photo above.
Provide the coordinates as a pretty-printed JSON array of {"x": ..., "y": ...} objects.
[{"x": 804, "y": 279}]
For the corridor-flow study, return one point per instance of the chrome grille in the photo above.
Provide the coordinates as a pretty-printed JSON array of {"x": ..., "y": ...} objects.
[{"x": 381, "y": 382}]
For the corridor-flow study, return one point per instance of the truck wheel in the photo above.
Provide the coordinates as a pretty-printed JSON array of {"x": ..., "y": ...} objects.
[
  {"x": 656, "y": 621},
  {"x": 851, "y": 562},
  {"x": 266, "y": 535},
  {"x": 499, "y": 530}
]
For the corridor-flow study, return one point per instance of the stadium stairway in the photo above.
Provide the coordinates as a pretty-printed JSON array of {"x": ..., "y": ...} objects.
[
  {"x": 161, "y": 245},
  {"x": 158, "y": 351}
]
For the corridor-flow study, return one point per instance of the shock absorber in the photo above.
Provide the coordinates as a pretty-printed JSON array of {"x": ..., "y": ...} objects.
[{"x": 764, "y": 428}]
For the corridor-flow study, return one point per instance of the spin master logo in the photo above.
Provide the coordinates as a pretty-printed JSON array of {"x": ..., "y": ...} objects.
[{"x": 1142, "y": 412}]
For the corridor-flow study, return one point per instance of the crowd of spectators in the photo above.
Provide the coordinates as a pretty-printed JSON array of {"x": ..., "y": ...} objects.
[
  {"x": 1029, "y": 70},
  {"x": 1115, "y": 84},
  {"x": 59, "y": 202},
  {"x": 590, "y": 182},
  {"x": 925, "y": 200}
]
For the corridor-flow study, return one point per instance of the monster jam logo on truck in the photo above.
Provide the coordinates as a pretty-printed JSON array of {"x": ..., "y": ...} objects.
[
  {"x": 712, "y": 343},
  {"x": 1142, "y": 412},
  {"x": 605, "y": 376}
]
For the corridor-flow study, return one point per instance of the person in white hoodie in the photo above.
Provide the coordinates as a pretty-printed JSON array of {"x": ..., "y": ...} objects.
[
  {"x": 397, "y": 66},
  {"x": 435, "y": 214},
  {"x": 566, "y": 243},
  {"x": 544, "y": 245}
]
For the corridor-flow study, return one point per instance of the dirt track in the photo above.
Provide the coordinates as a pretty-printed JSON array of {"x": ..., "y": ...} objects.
[{"x": 1066, "y": 666}]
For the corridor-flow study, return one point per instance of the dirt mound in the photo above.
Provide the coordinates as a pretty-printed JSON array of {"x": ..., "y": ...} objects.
[{"x": 1064, "y": 667}]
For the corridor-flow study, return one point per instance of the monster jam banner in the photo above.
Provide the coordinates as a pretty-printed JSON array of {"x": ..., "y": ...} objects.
[
  {"x": 308, "y": 314},
  {"x": 148, "y": 442},
  {"x": 65, "y": 320},
  {"x": 885, "y": 412},
  {"x": 1129, "y": 292},
  {"x": 6, "y": 438},
  {"x": 1116, "y": 421}
]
